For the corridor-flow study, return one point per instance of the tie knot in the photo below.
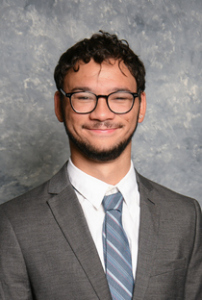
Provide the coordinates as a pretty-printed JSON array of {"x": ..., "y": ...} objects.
[{"x": 114, "y": 201}]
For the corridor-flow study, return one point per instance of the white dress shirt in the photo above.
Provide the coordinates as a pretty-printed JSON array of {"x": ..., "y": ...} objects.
[{"x": 91, "y": 191}]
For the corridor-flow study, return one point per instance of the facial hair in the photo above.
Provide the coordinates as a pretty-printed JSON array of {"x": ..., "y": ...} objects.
[{"x": 92, "y": 153}]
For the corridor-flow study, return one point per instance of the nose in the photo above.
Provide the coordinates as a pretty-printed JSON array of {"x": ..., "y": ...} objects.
[{"x": 102, "y": 111}]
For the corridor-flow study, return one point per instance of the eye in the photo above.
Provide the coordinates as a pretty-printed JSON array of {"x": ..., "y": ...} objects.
[
  {"x": 121, "y": 96},
  {"x": 84, "y": 96}
]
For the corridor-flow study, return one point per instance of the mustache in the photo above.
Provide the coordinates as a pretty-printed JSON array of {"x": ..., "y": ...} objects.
[{"x": 102, "y": 125}]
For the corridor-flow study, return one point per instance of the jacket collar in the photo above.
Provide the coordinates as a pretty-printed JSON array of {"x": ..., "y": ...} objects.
[{"x": 59, "y": 181}]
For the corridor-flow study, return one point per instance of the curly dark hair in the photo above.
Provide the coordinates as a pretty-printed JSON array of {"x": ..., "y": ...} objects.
[{"x": 100, "y": 47}]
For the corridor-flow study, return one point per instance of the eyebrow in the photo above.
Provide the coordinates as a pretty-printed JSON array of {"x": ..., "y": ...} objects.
[
  {"x": 85, "y": 89},
  {"x": 80, "y": 88}
]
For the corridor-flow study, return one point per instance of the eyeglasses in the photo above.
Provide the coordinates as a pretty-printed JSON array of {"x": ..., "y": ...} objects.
[{"x": 120, "y": 102}]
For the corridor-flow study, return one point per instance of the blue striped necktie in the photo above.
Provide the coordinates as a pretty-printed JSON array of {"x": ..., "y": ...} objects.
[{"x": 117, "y": 255}]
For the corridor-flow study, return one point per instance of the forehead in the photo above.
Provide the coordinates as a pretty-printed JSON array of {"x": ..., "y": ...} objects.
[{"x": 110, "y": 72}]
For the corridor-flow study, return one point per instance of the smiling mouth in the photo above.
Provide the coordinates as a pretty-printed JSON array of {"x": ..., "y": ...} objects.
[
  {"x": 102, "y": 130},
  {"x": 103, "y": 127}
]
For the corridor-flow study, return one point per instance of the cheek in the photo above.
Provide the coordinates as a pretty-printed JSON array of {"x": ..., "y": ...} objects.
[
  {"x": 128, "y": 120},
  {"x": 131, "y": 120},
  {"x": 73, "y": 121},
  {"x": 69, "y": 114},
  {"x": 131, "y": 123},
  {"x": 69, "y": 120}
]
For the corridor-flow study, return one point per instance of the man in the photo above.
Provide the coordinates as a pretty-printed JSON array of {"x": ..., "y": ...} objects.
[{"x": 98, "y": 229}]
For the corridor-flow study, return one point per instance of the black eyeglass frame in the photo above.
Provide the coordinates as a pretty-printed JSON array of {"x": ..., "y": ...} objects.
[{"x": 69, "y": 95}]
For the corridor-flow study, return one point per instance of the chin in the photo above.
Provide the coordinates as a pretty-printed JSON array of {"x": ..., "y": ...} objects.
[{"x": 97, "y": 154}]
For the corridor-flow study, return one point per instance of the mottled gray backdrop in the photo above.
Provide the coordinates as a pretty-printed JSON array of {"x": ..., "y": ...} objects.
[{"x": 166, "y": 34}]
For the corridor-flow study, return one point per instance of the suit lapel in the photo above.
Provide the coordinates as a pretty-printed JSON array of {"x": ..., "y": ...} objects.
[
  {"x": 70, "y": 218},
  {"x": 149, "y": 220}
]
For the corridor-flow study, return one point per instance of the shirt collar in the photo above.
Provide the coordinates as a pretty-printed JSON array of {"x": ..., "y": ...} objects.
[{"x": 94, "y": 190}]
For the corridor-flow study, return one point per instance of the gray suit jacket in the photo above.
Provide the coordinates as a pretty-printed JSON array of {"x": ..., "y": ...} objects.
[{"x": 47, "y": 252}]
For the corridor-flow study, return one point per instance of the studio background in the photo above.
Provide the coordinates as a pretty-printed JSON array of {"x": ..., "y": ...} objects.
[{"x": 167, "y": 35}]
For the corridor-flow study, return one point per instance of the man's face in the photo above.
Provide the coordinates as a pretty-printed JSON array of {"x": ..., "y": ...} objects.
[{"x": 100, "y": 135}]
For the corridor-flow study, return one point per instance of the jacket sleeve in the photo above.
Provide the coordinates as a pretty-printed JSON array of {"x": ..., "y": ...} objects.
[
  {"x": 193, "y": 287},
  {"x": 14, "y": 281}
]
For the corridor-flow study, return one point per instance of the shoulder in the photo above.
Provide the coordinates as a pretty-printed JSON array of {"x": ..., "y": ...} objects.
[
  {"x": 26, "y": 205},
  {"x": 35, "y": 200},
  {"x": 166, "y": 199}
]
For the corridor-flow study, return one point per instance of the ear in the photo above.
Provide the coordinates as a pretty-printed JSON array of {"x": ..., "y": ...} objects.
[
  {"x": 143, "y": 106},
  {"x": 58, "y": 108}
]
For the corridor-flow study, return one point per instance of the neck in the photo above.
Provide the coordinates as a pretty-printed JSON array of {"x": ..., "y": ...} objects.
[{"x": 110, "y": 172}]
